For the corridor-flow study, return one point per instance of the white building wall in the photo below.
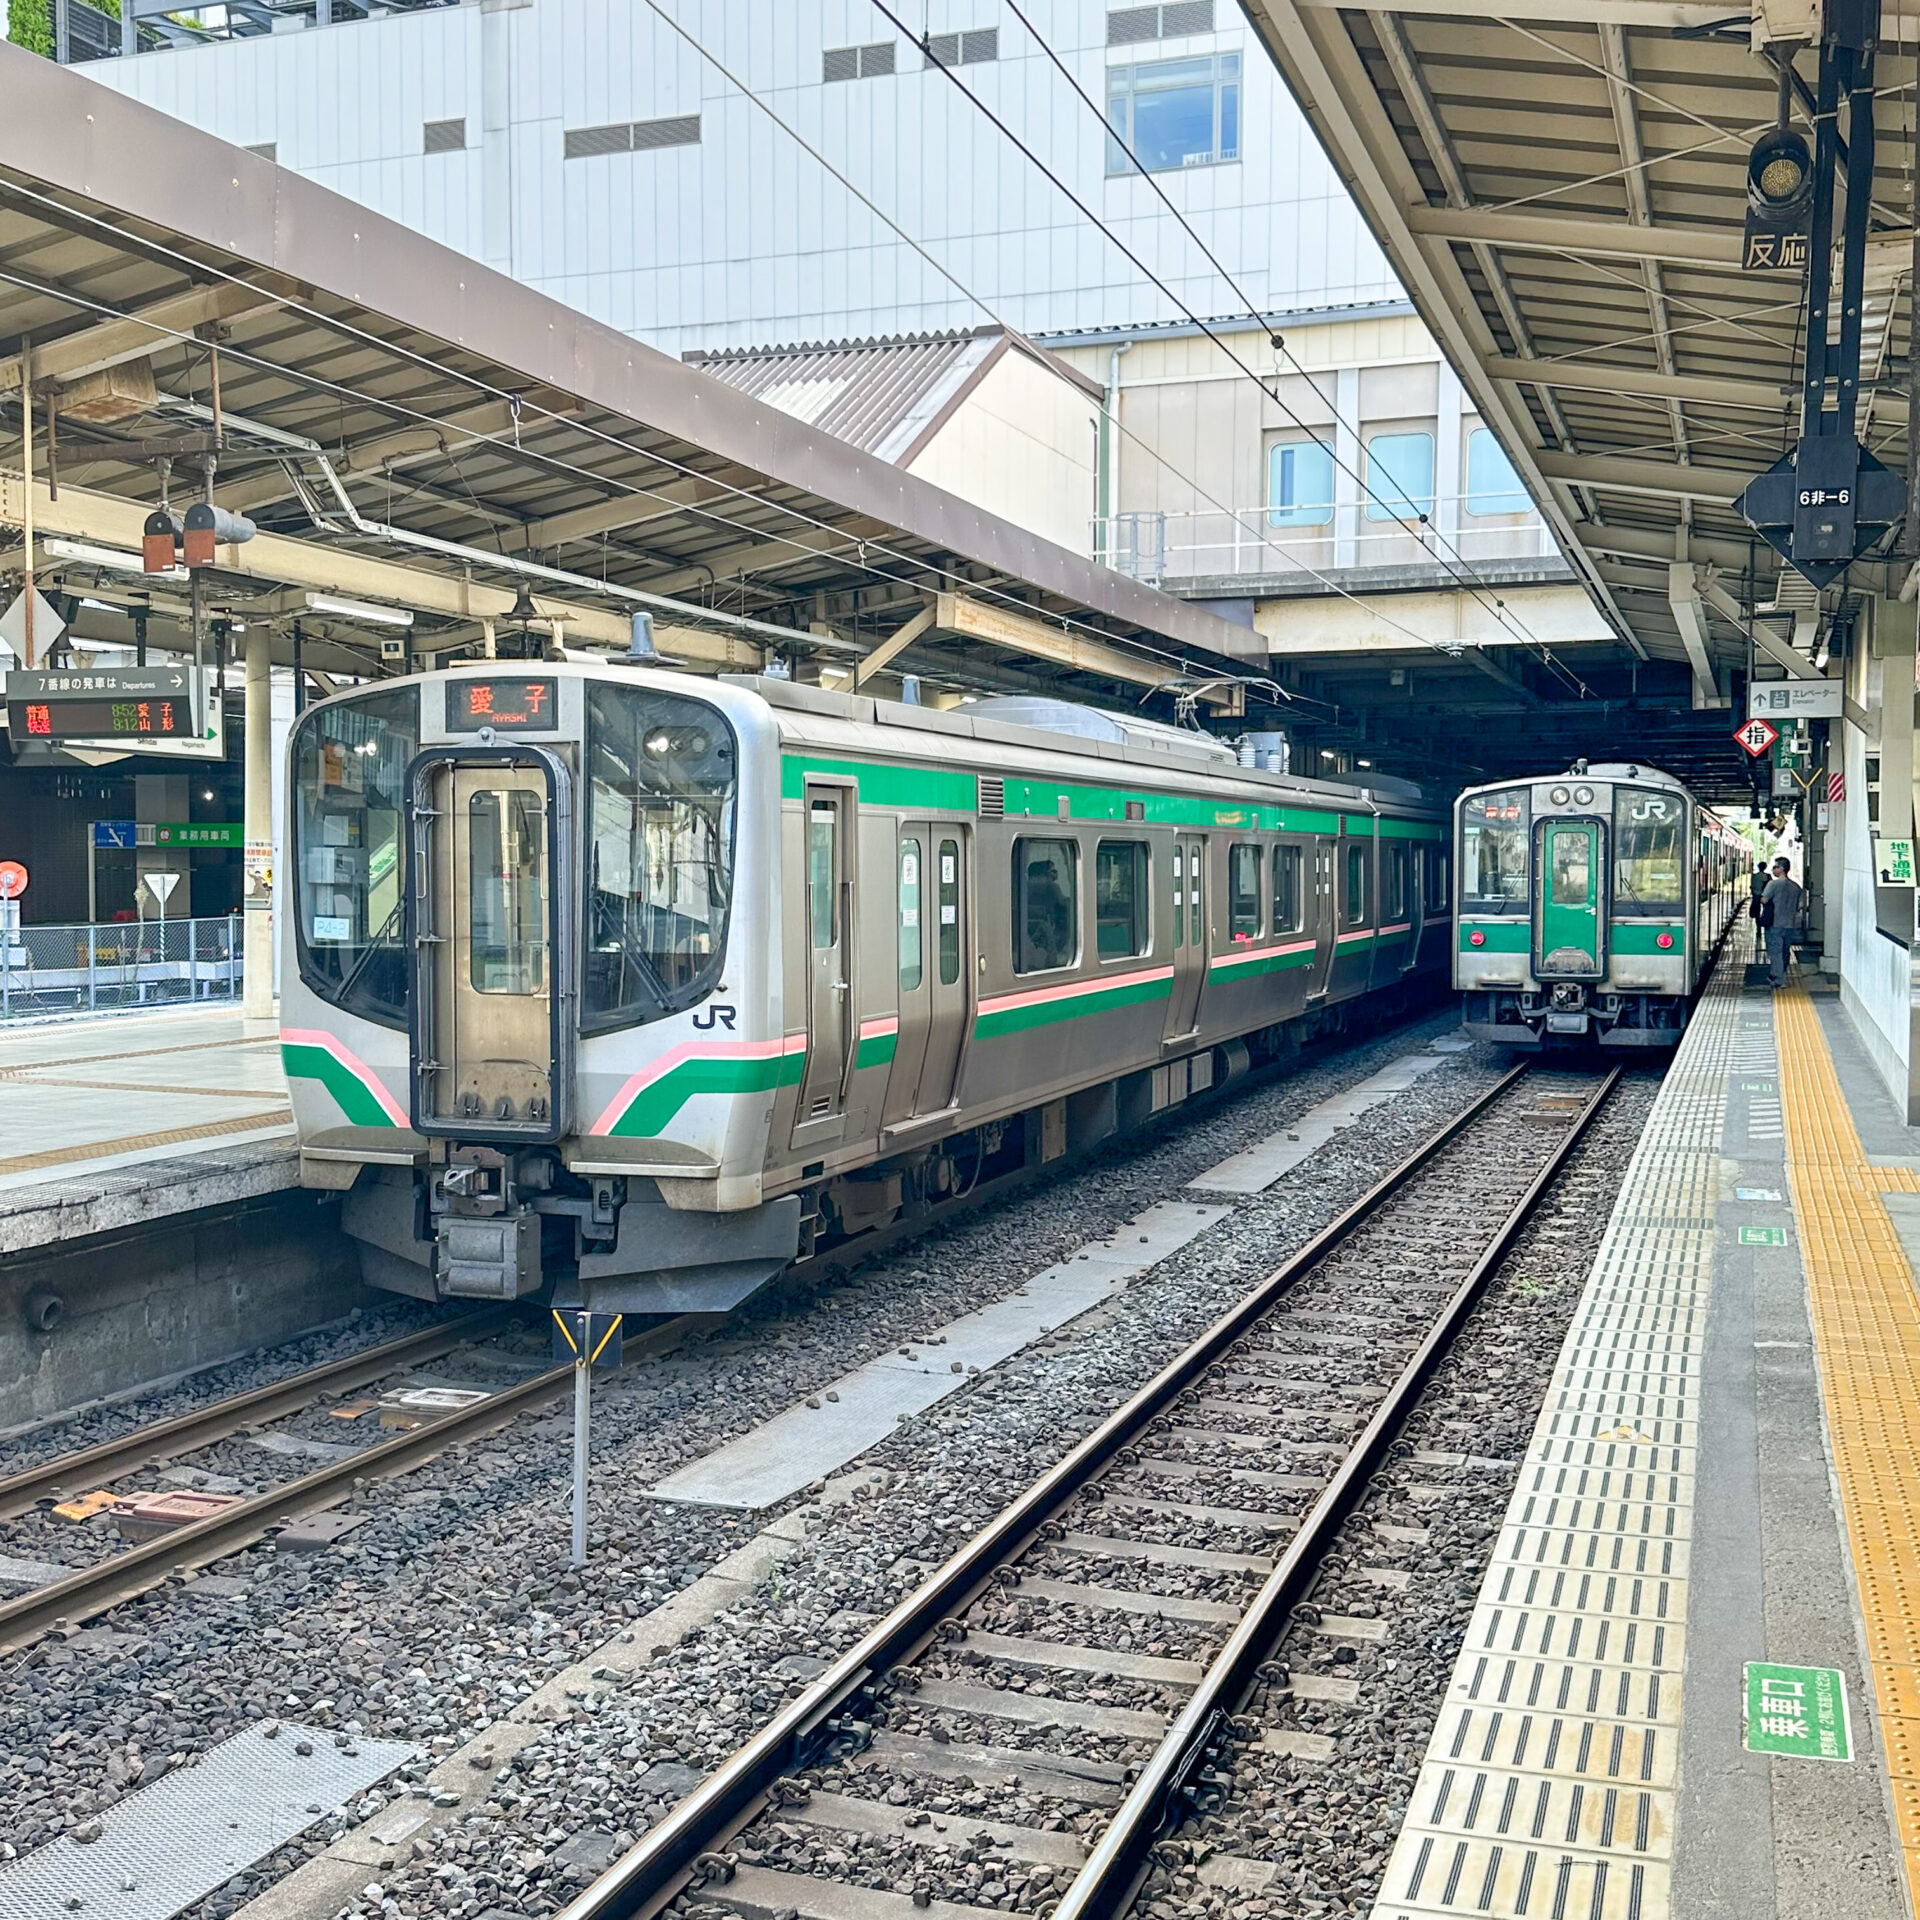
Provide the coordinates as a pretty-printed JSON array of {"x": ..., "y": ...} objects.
[
  {"x": 744, "y": 239},
  {"x": 1022, "y": 446}
]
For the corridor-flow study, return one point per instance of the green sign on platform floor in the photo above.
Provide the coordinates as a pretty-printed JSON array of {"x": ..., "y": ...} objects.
[
  {"x": 1798, "y": 1711},
  {"x": 1763, "y": 1236}
]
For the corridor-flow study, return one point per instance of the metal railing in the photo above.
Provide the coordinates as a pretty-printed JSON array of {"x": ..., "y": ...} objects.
[
  {"x": 1252, "y": 542},
  {"x": 133, "y": 963}
]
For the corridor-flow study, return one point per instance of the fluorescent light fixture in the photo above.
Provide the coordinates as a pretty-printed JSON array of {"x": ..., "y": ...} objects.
[
  {"x": 116, "y": 557},
  {"x": 359, "y": 610}
]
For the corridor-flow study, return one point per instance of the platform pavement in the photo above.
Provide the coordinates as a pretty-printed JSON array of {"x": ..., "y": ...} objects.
[
  {"x": 1703, "y": 1491},
  {"x": 119, "y": 1119}
]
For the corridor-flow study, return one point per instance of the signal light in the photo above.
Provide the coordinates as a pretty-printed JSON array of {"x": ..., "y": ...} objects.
[{"x": 1780, "y": 180}]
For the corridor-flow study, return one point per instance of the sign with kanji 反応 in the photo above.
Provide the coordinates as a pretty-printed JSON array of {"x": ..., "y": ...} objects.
[
  {"x": 1799, "y": 1711},
  {"x": 1756, "y": 736}
]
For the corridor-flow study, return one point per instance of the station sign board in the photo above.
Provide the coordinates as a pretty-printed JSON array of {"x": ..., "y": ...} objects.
[
  {"x": 1778, "y": 700},
  {"x": 101, "y": 703}
]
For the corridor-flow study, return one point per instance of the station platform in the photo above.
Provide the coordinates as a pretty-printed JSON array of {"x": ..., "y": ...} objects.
[
  {"x": 1718, "y": 1513},
  {"x": 126, "y": 1118}
]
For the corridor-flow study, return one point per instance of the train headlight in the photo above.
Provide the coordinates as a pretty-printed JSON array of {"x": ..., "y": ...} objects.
[
  {"x": 1476, "y": 938},
  {"x": 1663, "y": 940},
  {"x": 677, "y": 743},
  {"x": 1559, "y": 796},
  {"x": 1583, "y": 796}
]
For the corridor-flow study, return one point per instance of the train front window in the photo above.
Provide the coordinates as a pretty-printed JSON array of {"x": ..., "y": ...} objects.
[
  {"x": 662, "y": 775},
  {"x": 349, "y": 776},
  {"x": 1493, "y": 852},
  {"x": 1647, "y": 849}
]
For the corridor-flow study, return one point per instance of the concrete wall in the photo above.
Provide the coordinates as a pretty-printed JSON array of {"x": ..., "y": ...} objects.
[
  {"x": 183, "y": 1292},
  {"x": 1021, "y": 445}
]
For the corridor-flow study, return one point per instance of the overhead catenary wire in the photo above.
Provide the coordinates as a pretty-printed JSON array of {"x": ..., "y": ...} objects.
[
  {"x": 1333, "y": 586},
  {"x": 1464, "y": 574}
]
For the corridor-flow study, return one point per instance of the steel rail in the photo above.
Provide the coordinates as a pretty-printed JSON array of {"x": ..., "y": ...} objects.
[
  {"x": 1105, "y": 1885},
  {"x": 166, "y": 1439},
  {"x": 642, "y": 1880},
  {"x": 139, "y": 1569}
]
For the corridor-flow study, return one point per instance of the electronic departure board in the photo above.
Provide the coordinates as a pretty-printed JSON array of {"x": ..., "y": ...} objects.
[
  {"x": 105, "y": 703},
  {"x": 508, "y": 706}
]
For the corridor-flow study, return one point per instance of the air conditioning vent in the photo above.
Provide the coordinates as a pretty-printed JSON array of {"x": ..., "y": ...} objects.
[
  {"x": 821, "y": 1107},
  {"x": 444, "y": 136},
  {"x": 633, "y": 136},
  {"x": 1130, "y": 26},
  {"x": 682, "y": 131},
  {"x": 993, "y": 796}
]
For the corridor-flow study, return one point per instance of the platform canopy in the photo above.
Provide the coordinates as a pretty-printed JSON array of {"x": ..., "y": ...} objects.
[
  {"x": 415, "y": 435},
  {"x": 1562, "y": 190}
]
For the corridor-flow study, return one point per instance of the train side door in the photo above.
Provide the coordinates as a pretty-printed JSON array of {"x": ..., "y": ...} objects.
[
  {"x": 492, "y": 947},
  {"x": 1411, "y": 858},
  {"x": 831, "y": 925},
  {"x": 935, "y": 937},
  {"x": 1322, "y": 918},
  {"x": 1567, "y": 923},
  {"x": 1189, "y": 934}
]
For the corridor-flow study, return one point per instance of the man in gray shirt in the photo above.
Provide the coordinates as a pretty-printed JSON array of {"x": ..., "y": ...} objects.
[{"x": 1780, "y": 909}]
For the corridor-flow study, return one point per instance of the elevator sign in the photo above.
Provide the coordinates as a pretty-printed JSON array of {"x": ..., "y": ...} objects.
[{"x": 1757, "y": 736}]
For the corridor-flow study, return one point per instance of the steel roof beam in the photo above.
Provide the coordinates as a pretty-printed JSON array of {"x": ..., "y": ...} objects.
[
  {"x": 1597, "y": 376},
  {"x": 1665, "y": 480}
]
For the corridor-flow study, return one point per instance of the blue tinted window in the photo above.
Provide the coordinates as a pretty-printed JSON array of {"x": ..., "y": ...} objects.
[
  {"x": 1399, "y": 476},
  {"x": 1299, "y": 485},
  {"x": 1174, "y": 113},
  {"x": 1492, "y": 484}
]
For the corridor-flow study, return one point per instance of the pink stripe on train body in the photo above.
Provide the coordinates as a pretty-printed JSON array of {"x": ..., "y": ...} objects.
[
  {"x": 316, "y": 1037},
  {"x": 1005, "y": 1002},
  {"x": 692, "y": 1050}
]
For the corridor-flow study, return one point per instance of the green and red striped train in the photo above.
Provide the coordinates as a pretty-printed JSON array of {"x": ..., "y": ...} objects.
[{"x": 610, "y": 984}]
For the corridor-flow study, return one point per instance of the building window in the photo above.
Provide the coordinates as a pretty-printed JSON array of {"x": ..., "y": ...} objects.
[
  {"x": 1174, "y": 113},
  {"x": 963, "y": 49},
  {"x": 1120, "y": 895},
  {"x": 1353, "y": 903},
  {"x": 1133, "y": 26},
  {"x": 1492, "y": 484},
  {"x": 1046, "y": 907},
  {"x": 1288, "y": 916},
  {"x": 633, "y": 136},
  {"x": 1243, "y": 891},
  {"x": 857, "y": 63},
  {"x": 443, "y": 136},
  {"x": 1399, "y": 476},
  {"x": 1299, "y": 485}
]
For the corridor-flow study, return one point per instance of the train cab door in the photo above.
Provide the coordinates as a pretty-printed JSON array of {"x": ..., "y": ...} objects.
[
  {"x": 831, "y": 930},
  {"x": 1566, "y": 928},
  {"x": 491, "y": 938},
  {"x": 935, "y": 981},
  {"x": 1189, "y": 936}
]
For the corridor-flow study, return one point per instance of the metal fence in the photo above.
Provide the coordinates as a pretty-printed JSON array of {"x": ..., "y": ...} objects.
[{"x": 135, "y": 963}]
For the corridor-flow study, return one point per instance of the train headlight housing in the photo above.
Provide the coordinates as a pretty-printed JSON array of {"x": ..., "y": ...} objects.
[
  {"x": 1583, "y": 796},
  {"x": 677, "y": 743},
  {"x": 1559, "y": 796}
]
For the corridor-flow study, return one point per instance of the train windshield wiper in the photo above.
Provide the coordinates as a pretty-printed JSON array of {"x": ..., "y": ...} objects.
[{"x": 640, "y": 961}]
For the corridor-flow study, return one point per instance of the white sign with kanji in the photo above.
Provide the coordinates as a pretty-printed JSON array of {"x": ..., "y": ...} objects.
[{"x": 1757, "y": 736}]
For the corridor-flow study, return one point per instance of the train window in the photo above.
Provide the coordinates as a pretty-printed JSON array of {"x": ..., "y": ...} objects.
[
  {"x": 1493, "y": 851},
  {"x": 1570, "y": 880},
  {"x": 349, "y": 772},
  {"x": 910, "y": 931},
  {"x": 1288, "y": 914},
  {"x": 1120, "y": 896},
  {"x": 1437, "y": 862},
  {"x": 1353, "y": 899},
  {"x": 1046, "y": 929},
  {"x": 1397, "y": 905},
  {"x": 1179, "y": 897},
  {"x": 823, "y": 858},
  {"x": 1243, "y": 891},
  {"x": 659, "y": 795},
  {"x": 1647, "y": 851},
  {"x": 507, "y": 835},
  {"x": 949, "y": 902}
]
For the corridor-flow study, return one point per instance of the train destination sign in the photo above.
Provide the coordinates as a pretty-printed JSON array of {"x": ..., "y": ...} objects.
[
  {"x": 508, "y": 706},
  {"x": 101, "y": 703}
]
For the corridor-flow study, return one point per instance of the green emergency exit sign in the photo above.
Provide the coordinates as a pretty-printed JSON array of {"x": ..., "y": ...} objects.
[{"x": 1798, "y": 1711}]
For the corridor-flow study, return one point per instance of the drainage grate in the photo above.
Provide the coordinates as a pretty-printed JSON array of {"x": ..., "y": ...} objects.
[{"x": 173, "y": 1843}]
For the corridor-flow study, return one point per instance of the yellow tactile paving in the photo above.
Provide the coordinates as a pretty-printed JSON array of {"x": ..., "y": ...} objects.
[{"x": 1865, "y": 1313}]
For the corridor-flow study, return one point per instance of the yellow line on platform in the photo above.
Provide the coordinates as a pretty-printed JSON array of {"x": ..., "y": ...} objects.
[
  {"x": 171, "y": 1137},
  {"x": 1865, "y": 1314}
]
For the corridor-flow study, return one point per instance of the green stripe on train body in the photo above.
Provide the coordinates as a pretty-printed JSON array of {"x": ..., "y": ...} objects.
[
  {"x": 875, "y": 1050},
  {"x": 351, "y": 1094},
  {"x": 1626, "y": 937},
  {"x": 1502, "y": 936},
  {"x": 1251, "y": 966},
  {"x": 885, "y": 783},
  {"x": 997, "y": 1022},
  {"x": 654, "y": 1107}
]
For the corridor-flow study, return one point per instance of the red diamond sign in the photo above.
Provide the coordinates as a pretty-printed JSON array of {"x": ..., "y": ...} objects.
[{"x": 1757, "y": 736}]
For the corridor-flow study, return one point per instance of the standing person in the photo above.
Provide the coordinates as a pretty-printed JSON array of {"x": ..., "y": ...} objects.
[
  {"x": 1780, "y": 909},
  {"x": 1757, "y": 886}
]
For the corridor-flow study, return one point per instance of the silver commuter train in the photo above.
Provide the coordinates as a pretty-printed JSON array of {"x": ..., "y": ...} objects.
[
  {"x": 636, "y": 986},
  {"x": 1590, "y": 906}
]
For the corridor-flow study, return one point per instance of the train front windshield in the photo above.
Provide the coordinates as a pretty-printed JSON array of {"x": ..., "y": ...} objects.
[
  {"x": 1493, "y": 852},
  {"x": 1647, "y": 841}
]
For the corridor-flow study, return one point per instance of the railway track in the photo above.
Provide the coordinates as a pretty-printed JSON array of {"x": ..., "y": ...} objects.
[{"x": 1084, "y": 1657}]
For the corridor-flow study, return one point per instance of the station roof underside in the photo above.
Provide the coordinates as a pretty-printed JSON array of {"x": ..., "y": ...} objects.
[
  {"x": 1562, "y": 192},
  {"x": 408, "y": 428}
]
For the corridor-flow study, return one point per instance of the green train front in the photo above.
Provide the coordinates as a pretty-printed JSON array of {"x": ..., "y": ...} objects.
[{"x": 1587, "y": 904}]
